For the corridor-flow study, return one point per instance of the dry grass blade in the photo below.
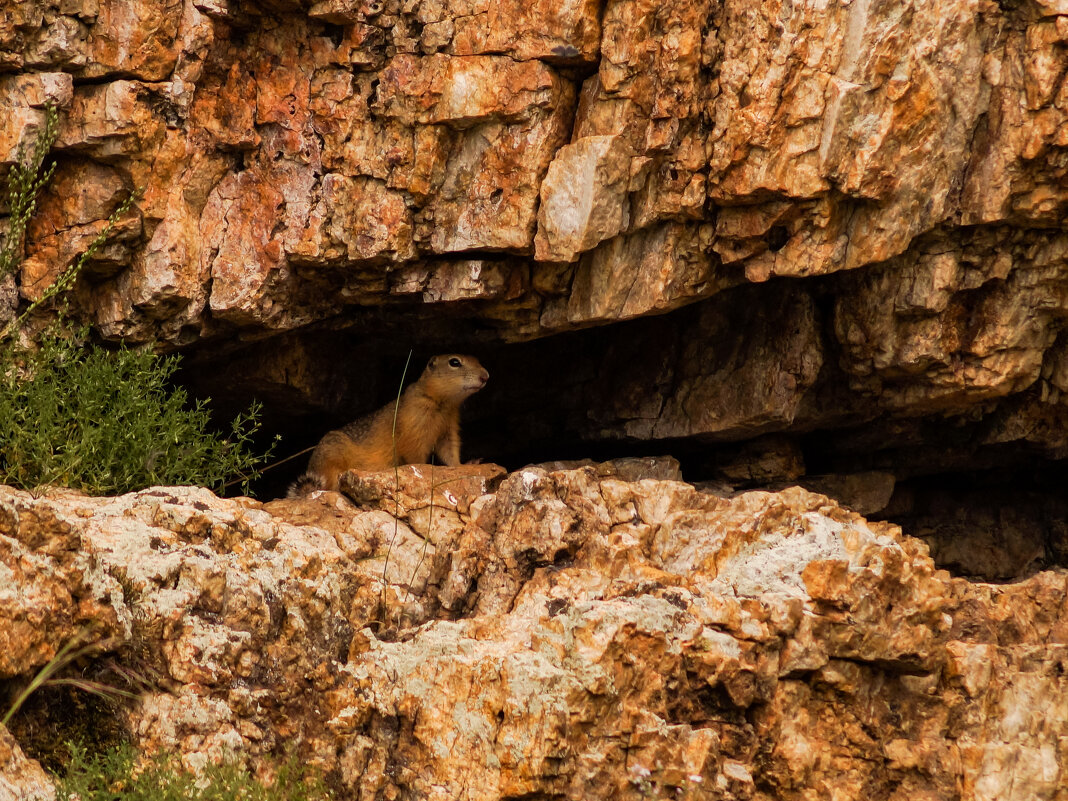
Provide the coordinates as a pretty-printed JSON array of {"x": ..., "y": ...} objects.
[
  {"x": 426, "y": 539},
  {"x": 65, "y": 656},
  {"x": 396, "y": 481},
  {"x": 94, "y": 687}
]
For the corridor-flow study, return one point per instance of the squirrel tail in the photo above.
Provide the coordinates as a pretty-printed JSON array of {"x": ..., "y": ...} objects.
[{"x": 303, "y": 485}]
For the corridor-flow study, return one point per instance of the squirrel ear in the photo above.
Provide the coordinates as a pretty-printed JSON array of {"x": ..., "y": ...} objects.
[{"x": 430, "y": 364}]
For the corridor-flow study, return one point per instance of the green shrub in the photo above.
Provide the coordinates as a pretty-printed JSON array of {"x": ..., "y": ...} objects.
[
  {"x": 109, "y": 422},
  {"x": 113, "y": 776},
  {"x": 97, "y": 420}
]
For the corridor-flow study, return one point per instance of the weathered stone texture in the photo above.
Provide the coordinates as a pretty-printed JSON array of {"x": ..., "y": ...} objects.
[
  {"x": 705, "y": 381},
  {"x": 867, "y": 196},
  {"x": 975, "y": 315},
  {"x": 46, "y": 598},
  {"x": 611, "y": 160},
  {"x": 21, "y": 779},
  {"x": 816, "y": 137},
  {"x": 23, "y": 99},
  {"x": 584, "y": 633}
]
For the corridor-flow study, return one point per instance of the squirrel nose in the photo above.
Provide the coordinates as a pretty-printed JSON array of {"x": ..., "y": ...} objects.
[{"x": 485, "y": 375}]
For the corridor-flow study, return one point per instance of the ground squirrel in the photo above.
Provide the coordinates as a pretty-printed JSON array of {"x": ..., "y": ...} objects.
[{"x": 428, "y": 421}]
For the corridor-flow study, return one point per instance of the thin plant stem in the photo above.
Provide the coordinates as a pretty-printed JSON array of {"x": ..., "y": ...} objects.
[
  {"x": 426, "y": 539},
  {"x": 271, "y": 466},
  {"x": 396, "y": 479},
  {"x": 64, "y": 657},
  {"x": 65, "y": 280},
  {"x": 24, "y": 184}
]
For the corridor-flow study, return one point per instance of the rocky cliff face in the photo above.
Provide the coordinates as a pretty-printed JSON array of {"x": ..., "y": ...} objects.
[
  {"x": 601, "y": 632},
  {"x": 565, "y": 163},
  {"x": 342, "y": 181},
  {"x": 817, "y": 243}
]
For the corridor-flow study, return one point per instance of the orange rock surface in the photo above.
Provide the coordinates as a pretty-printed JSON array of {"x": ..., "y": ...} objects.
[{"x": 582, "y": 633}]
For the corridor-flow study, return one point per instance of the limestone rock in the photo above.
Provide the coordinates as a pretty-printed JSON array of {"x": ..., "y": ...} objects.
[
  {"x": 813, "y": 140},
  {"x": 562, "y": 632},
  {"x": 920, "y": 326},
  {"x": 46, "y": 599},
  {"x": 755, "y": 386},
  {"x": 21, "y": 778},
  {"x": 23, "y": 98},
  {"x": 488, "y": 195},
  {"x": 463, "y": 91},
  {"x": 666, "y": 266},
  {"x": 583, "y": 198},
  {"x": 865, "y": 493}
]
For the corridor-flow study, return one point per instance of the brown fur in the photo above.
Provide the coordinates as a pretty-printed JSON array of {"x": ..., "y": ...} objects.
[{"x": 427, "y": 421}]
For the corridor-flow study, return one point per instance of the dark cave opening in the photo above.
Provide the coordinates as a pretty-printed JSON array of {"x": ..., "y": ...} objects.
[
  {"x": 999, "y": 524},
  {"x": 994, "y": 512},
  {"x": 57, "y": 718}
]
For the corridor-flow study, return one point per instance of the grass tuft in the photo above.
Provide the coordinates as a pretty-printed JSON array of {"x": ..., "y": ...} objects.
[{"x": 116, "y": 774}]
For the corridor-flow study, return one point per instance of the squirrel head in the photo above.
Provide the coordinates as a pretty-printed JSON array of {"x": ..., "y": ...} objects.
[{"x": 453, "y": 377}]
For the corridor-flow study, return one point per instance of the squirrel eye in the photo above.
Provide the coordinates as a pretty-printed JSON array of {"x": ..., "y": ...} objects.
[{"x": 454, "y": 362}]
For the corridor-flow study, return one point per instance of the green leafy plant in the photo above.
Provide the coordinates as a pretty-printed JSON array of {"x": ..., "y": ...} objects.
[
  {"x": 116, "y": 774},
  {"x": 106, "y": 421},
  {"x": 24, "y": 182}
]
